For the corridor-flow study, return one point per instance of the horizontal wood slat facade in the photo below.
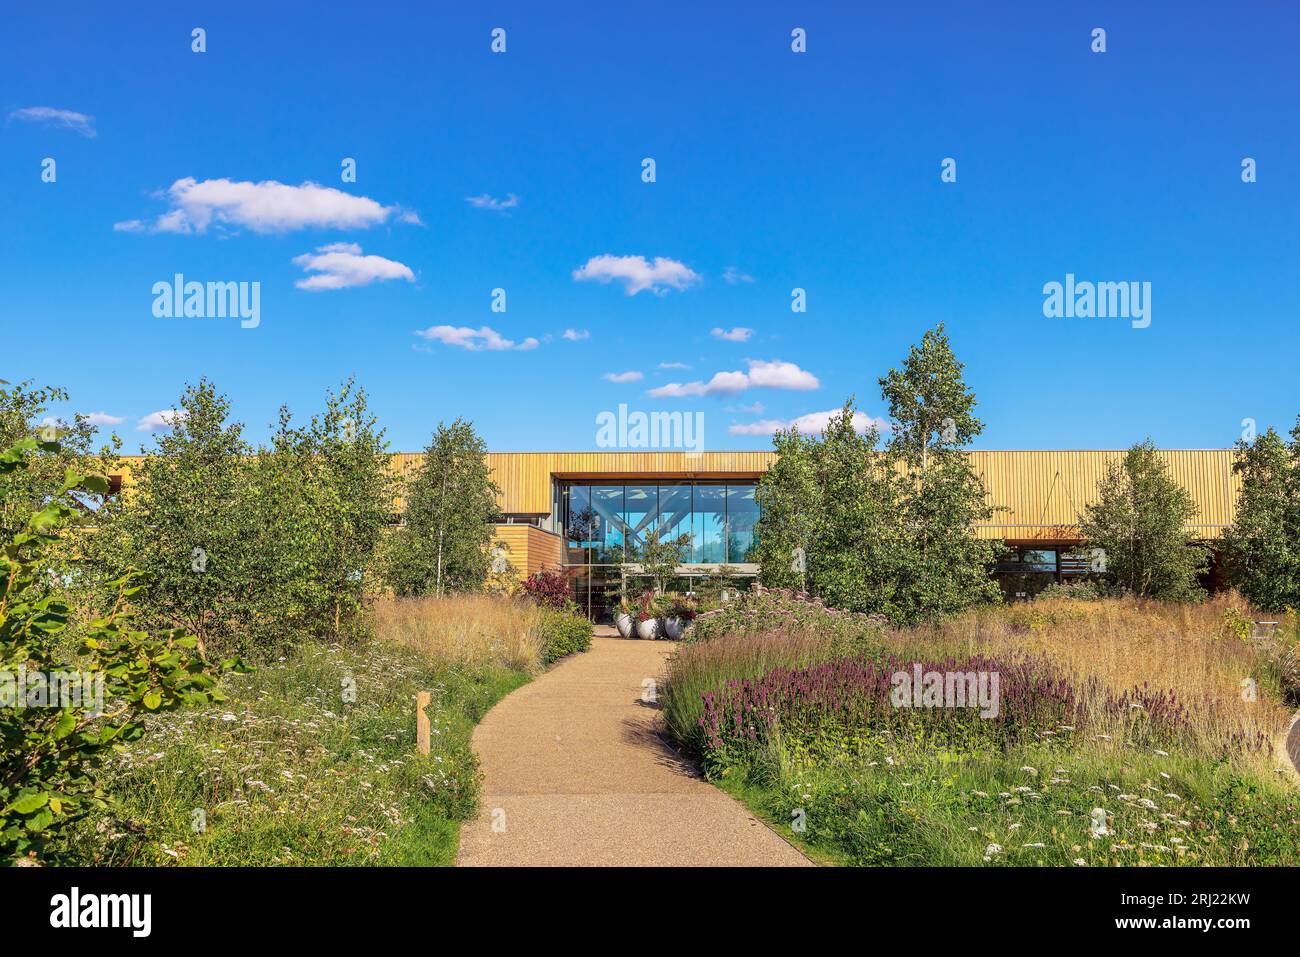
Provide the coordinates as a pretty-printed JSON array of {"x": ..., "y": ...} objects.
[
  {"x": 1038, "y": 494},
  {"x": 528, "y": 549}
]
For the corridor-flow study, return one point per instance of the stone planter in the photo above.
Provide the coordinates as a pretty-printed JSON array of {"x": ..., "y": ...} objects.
[
  {"x": 673, "y": 628},
  {"x": 648, "y": 629},
  {"x": 625, "y": 623}
]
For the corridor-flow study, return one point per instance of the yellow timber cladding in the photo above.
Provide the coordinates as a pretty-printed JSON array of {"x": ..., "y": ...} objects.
[{"x": 1037, "y": 494}]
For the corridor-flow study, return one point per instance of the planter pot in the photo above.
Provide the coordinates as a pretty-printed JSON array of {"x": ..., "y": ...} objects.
[
  {"x": 624, "y": 623},
  {"x": 673, "y": 628},
  {"x": 648, "y": 629}
]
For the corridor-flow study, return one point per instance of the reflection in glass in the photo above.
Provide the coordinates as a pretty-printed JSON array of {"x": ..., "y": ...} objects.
[
  {"x": 607, "y": 531},
  {"x": 742, "y": 516},
  {"x": 709, "y": 524},
  {"x": 640, "y": 514},
  {"x": 578, "y": 521},
  {"x": 1039, "y": 560},
  {"x": 674, "y": 513}
]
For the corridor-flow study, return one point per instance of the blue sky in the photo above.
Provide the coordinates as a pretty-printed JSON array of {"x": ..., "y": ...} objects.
[{"x": 779, "y": 170}]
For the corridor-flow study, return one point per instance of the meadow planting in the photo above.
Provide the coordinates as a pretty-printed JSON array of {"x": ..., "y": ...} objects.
[{"x": 1057, "y": 732}]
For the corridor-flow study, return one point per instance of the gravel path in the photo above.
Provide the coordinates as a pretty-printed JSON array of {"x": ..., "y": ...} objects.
[{"x": 575, "y": 773}]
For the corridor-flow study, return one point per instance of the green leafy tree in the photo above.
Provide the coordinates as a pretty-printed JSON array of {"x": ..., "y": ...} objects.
[
  {"x": 25, "y": 413},
  {"x": 660, "y": 556},
  {"x": 789, "y": 503},
  {"x": 188, "y": 527},
  {"x": 1263, "y": 544},
  {"x": 888, "y": 531},
  {"x": 1140, "y": 523},
  {"x": 943, "y": 568},
  {"x": 51, "y": 744},
  {"x": 444, "y": 542},
  {"x": 350, "y": 485}
]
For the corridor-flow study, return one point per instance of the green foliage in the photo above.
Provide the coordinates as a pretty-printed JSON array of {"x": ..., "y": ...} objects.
[
  {"x": 882, "y": 801},
  {"x": 310, "y": 761},
  {"x": 564, "y": 632},
  {"x": 186, "y": 524},
  {"x": 1140, "y": 523},
  {"x": 659, "y": 557},
  {"x": 24, "y": 414},
  {"x": 49, "y": 749},
  {"x": 252, "y": 551},
  {"x": 888, "y": 531},
  {"x": 943, "y": 568},
  {"x": 1263, "y": 544},
  {"x": 345, "y": 478},
  {"x": 762, "y": 611},
  {"x": 443, "y": 544}
]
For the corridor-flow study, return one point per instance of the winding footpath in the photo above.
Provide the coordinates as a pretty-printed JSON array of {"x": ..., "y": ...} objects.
[{"x": 575, "y": 773}]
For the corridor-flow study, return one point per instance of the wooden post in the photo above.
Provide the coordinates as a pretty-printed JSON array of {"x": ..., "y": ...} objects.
[{"x": 422, "y": 721}]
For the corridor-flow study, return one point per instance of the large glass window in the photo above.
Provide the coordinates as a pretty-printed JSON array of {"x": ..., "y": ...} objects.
[
  {"x": 742, "y": 516},
  {"x": 606, "y": 524},
  {"x": 710, "y": 524},
  {"x": 607, "y": 511},
  {"x": 578, "y": 523},
  {"x": 675, "y": 513},
  {"x": 640, "y": 515}
]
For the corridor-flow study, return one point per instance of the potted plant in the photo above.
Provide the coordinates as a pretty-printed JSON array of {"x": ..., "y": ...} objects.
[
  {"x": 647, "y": 618},
  {"x": 623, "y": 620},
  {"x": 679, "y": 616}
]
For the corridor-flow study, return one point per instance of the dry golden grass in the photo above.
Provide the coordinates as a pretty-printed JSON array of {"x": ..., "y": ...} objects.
[
  {"x": 469, "y": 631},
  {"x": 1190, "y": 650}
]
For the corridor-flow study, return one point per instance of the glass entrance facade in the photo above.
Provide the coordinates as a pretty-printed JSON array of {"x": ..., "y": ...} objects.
[{"x": 605, "y": 526}]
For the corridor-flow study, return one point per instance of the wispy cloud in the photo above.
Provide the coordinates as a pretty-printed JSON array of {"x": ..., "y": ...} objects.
[
  {"x": 161, "y": 421},
  {"x": 754, "y": 408},
  {"x": 487, "y": 201},
  {"x": 341, "y": 265},
  {"x": 63, "y": 119},
  {"x": 773, "y": 374},
  {"x": 673, "y": 365},
  {"x": 265, "y": 207},
  {"x": 575, "y": 335},
  {"x": 813, "y": 423},
  {"x": 734, "y": 276},
  {"x": 637, "y": 274},
  {"x": 475, "y": 340},
  {"x": 738, "y": 334},
  {"x": 103, "y": 418},
  {"x": 630, "y": 376}
]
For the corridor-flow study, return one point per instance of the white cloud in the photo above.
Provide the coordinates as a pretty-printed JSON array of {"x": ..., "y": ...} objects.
[
  {"x": 673, "y": 365},
  {"x": 575, "y": 335},
  {"x": 342, "y": 265},
  {"x": 734, "y": 276},
  {"x": 475, "y": 340},
  {"x": 770, "y": 375},
  {"x": 754, "y": 408},
  {"x": 636, "y": 274},
  {"x": 129, "y": 226},
  {"x": 738, "y": 334},
  {"x": 103, "y": 418},
  {"x": 631, "y": 376},
  {"x": 265, "y": 207},
  {"x": 486, "y": 201},
  {"x": 160, "y": 421},
  {"x": 64, "y": 119},
  {"x": 781, "y": 375},
  {"x": 813, "y": 423}
]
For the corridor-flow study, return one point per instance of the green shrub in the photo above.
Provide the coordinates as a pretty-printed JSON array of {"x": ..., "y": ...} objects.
[
  {"x": 51, "y": 745},
  {"x": 564, "y": 632},
  {"x": 1086, "y": 590},
  {"x": 762, "y": 611}
]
